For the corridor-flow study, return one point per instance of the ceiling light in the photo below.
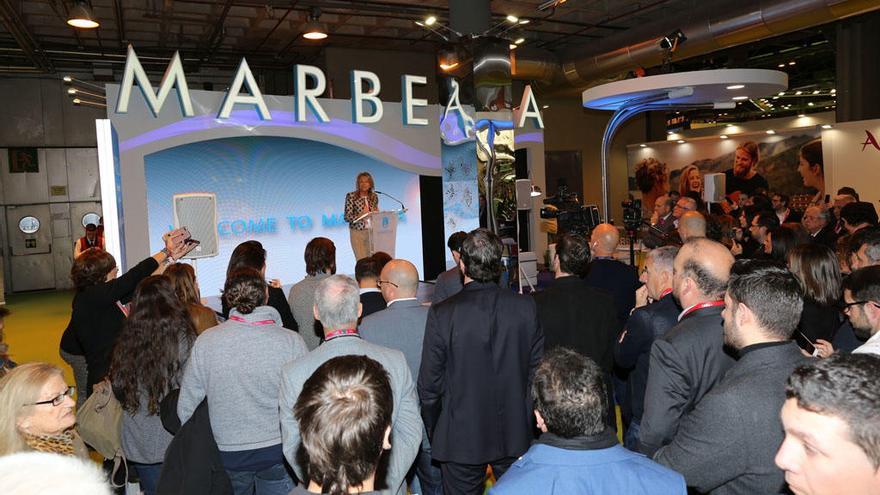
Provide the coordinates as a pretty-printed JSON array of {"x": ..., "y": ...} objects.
[
  {"x": 512, "y": 18},
  {"x": 313, "y": 29},
  {"x": 781, "y": 65},
  {"x": 524, "y": 21},
  {"x": 810, "y": 104},
  {"x": 430, "y": 21},
  {"x": 681, "y": 141},
  {"x": 775, "y": 97},
  {"x": 771, "y": 131},
  {"x": 802, "y": 115},
  {"x": 545, "y": 107},
  {"x": 519, "y": 41},
  {"x": 731, "y": 125},
  {"x": 826, "y": 126},
  {"x": 512, "y": 46},
  {"x": 798, "y": 93},
  {"x": 791, "y": 63},
  {"x": 736, "y": 86},
  {"x": 781, "y": 93},
  {"x": 643, "y": 145},
  {"x": 816, "y": 92},
  {"x": 740, "y": 98},
  {"x": 670, "y": 132},
  {"x": 834, "y": 90},
  {"x": 723, "y": 136},
  {"x": 81, "y": 16}
]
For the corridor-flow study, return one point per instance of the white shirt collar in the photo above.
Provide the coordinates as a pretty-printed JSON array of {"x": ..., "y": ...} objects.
[
  {"x": 401, "y": 299},
  {"x": 369, "y": 289},
  {"x": 872, "y": 346}
]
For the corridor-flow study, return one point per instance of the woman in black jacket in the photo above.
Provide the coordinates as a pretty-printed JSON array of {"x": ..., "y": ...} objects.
[
  {"x": 251, "y": 254},
  {"x": 99, "y": 305},
  {"x": 816, "y": 268}
]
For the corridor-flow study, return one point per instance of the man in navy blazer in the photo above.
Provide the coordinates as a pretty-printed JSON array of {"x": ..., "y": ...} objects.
[
  {"x": 449, "y": 282},
  {"x": 647, "y": 323},
  {"x": 727, "y": 445},
  {"x": 401, "y": 326},
  {"x": 605, "y": 272},
  {"x": 481, "y": 349}
]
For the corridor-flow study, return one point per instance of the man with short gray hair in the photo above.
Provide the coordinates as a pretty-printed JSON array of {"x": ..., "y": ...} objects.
[
  {"x": 818, "y": 222},
  {"x": 337, "y": 307}
]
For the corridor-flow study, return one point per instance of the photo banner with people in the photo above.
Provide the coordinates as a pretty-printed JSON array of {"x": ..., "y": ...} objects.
[{"x": 786, "y": 162}]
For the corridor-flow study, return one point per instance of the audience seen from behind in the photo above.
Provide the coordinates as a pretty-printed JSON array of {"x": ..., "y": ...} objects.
[
  {"x": 366, "y": 272},
  {"x": 831, "y": 419},
  {"x": 449, "y": 282},
  {"x": 337, "y": 307},
  {"x": 344, "y": 415},
  {"x": 816, "y": 269},
  {"x": 186, "y": 287},
  {"x": 401, "y": 326},
  {"x": 320, "y": 257},
  {"x": 251, "y": 254},
  {"x": 37, "y": 412},
  {"x": 236, "y": 367},
  {"x": 857, "y": 216},
  {"x": 146, "y": 364},
  {"x": 577, "y": 452},
  {"x": 690, "y": 358},
  {"x": 691, "y": 225},
  {"x": 488, "y": 332},
  {"x": 864, "y": 248},
  {"x": 574, "y": 315},
  {"x": 100, "y": 306},
  {"x": 33, "y": 473},
  {"x": 726, "y": 444},
  {"x": 656, "y": 312},
  {"x": 605, "y": 272}
]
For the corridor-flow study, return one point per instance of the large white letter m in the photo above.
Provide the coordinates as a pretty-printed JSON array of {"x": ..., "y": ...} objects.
[{"x": 173, "y": 77}]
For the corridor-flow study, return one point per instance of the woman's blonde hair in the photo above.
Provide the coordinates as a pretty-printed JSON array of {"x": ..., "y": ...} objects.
[
  {"x": 358, "y": 179},
  {"x": 683, "y": 182},
  {"x": 20, "y": 386}
]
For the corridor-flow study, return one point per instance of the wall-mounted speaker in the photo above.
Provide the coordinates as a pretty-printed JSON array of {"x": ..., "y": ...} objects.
[
  {"x": 713, "y": 190},
  {"x": 198, "y": 213}
]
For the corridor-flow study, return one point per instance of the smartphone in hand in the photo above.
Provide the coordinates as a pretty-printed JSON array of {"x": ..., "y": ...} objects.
[{"x": 805, "y": 343}]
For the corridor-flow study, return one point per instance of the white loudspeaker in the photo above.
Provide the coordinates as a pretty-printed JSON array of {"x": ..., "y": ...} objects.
[
  {"x": 523, "y": 194},
  {"x": 198, "y": 213},
  {"x": 714, "y": 187}
]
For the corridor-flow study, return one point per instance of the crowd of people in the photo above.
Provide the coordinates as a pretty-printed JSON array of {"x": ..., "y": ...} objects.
[{"x": 736, "y": 368}]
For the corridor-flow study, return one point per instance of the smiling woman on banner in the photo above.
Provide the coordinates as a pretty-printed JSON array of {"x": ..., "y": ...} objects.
[{"x": 358, "y": 203}]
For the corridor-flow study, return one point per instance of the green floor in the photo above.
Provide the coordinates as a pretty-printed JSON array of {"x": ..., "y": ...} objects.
[{"x": 33, "y": 330}]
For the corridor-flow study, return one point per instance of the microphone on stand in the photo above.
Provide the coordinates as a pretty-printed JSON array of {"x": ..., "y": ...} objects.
[{"x": 402, "y": 207}]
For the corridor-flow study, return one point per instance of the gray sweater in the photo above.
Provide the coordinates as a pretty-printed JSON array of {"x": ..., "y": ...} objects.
[
  {"x": 237, "y": 366},
  {"x": 302, "y": 300}
]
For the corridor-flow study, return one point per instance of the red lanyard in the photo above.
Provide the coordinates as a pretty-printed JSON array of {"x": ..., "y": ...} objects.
[
  {"x": 664, "y": 293},
  {"x": 340, "y": 333},
  {"x": 255, "y": 323},
  {"x": 710, "y": 304}
]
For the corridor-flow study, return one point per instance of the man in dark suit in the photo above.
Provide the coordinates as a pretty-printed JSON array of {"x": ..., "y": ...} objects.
[
  {"x": 449, "y": 282},
  {"x": 662, "y": 223},
  {"x": 690, "y": 359},
  {"x": 647, "y": 323},
  {"x": 481, "y": 349},
  {"x": 575, "y": 315},
  {"x": 783, "y": 212},
  {"x": 366, "y": 272},
  {"x": 401, "y": 326},
  {"x": 818, "y": 222},
  {"x": 727, "y": 444},
  {"x": 605, "y": 272}
]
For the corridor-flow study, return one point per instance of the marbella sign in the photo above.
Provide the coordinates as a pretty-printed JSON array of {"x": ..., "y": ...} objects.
[{"x": 309, "y": 83}]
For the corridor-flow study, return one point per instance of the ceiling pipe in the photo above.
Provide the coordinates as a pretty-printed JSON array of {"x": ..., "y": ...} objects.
[{"x": 747, "y": 22}]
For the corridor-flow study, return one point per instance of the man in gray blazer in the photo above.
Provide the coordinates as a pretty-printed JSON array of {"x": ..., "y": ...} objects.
[
  {"x": 450, "y": 282},
  {"x": 401, "y": 326},
  {"x": 337, "y": 307},
  {"x": 728, "y": 443}
]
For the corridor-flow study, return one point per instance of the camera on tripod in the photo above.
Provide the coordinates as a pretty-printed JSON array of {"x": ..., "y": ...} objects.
[
  {"x": 570, "y": 215},
  {"x": 632, "y": 214}
]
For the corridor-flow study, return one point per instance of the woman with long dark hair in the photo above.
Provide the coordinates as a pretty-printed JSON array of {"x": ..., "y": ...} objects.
[
  {"x": 147, "y": 363},
  {"x": 816, "y": 268},
  {"x": 183, "y": 277},
  {"x": 99, "y": 305},
  {"x": 251, "y": 254}
]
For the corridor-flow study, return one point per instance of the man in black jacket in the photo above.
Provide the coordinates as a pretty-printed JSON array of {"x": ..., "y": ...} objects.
[
  {"x": 575, "y": 315},
  {"x": 690, "y": 359},
  {"x": 727, "y": 444},
  {"x": 480, "y": 352},
  {"x": 605, "y": 272},
  {"x": 647, "y": 323}
]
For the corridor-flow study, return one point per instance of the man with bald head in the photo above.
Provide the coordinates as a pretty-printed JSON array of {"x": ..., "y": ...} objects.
[
  {"x": 401, "y": 326},
  {"x": 689, "y": 359},
  {"x": 691, "y": 225},
  {"x": 605, "y": 272}
]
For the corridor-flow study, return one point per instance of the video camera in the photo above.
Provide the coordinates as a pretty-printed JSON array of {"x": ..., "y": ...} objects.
[
  {"x": 570, "y": 215},
  {"x": 632, "y": 213}
]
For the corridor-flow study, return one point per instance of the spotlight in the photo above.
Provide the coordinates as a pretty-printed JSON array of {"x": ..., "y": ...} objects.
[
  {"x": 519, "y": 41},
  {"x": 826, "y": 126},
  {"x": 798, "y": 93},
  {"x": 449, "y": 59},
  {"x": 643, "y": 145},
  {"x": 513, "y": 47},
  {"x": 81, "y": 16},
  {"x": 736, "y": 86},
  {"x": 313, "y": 29},
  {"x": 740, "y": 98},
  {"x": 723, "y": 136},
  {"x": 524, "y": 21},
  {"x": 430, "y": 21},
  {"x": 672, "y": 40},
  {"x": 512, "y": 19},
  {"x": 681, "y": 141},
  {"x": 771, "y": 131},
  {"x": 781, "y": 93}
]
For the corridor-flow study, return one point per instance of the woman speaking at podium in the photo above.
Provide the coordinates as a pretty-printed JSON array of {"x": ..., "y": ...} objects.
[{"x": 357, "y": 204}]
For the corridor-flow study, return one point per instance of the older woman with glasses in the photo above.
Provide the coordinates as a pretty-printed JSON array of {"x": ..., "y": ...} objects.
[{"x": 37, "y": 412}]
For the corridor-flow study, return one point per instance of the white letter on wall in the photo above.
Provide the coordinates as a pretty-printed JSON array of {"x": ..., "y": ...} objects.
[
  {"x": 244, "y": 76},
  {"x": 528, "y": 108},
  {"x": 454, "y": 105},
  {"x": 306, "y": 96},
  {"x": 358, "y": 97},
  {"x": 409, "y": 102},
  {"x": 173, "y": 77}
]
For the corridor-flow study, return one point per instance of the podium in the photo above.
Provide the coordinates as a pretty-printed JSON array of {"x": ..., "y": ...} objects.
[{"x": 382, "y": 226}]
